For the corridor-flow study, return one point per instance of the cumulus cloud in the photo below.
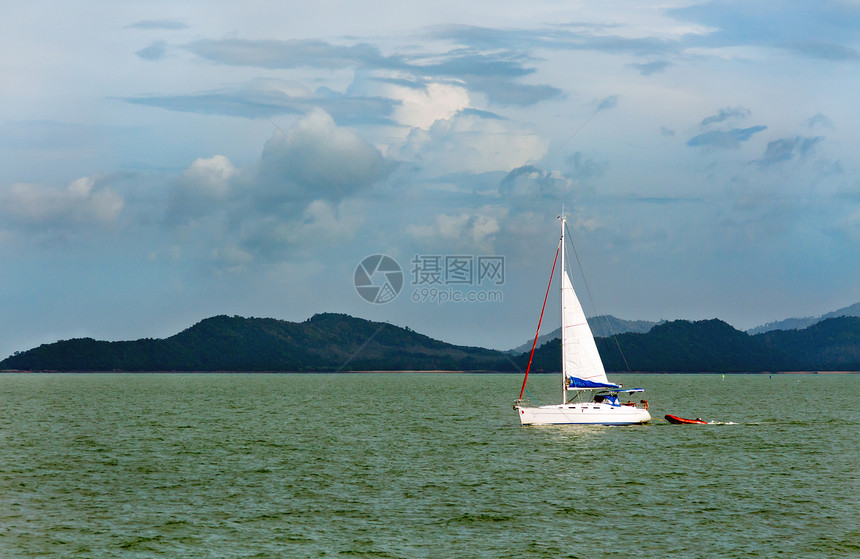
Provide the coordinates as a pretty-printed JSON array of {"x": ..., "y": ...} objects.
[
  {"x": 464, "y": 230},
  {"x": 300, "y": 193},
  {"x": 528, "y": 184},
  {"x": 321, "y": 159},
  {"x": 415, "y": 102},
  {"x": 200, "y": 189},
  {"x": 468, "y": 142},
  {"x": 81, "y": 205}
]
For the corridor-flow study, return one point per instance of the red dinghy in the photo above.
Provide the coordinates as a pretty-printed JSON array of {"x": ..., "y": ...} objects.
[{"x": 681, "y": 421}]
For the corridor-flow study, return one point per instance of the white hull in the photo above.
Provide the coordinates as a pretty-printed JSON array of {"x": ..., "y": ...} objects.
[{"x": 590, "y": 413}]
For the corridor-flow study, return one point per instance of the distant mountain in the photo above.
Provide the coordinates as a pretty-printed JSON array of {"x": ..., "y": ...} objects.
[
  {"x": 830, "y": 345},
  {"x": 338, "y": 342},
  {"x": 325, "y": 342},
  {"x": 714, "y": 346},
  {"x": 798, "y": 323},
  {"x": 604, "y": 325}
]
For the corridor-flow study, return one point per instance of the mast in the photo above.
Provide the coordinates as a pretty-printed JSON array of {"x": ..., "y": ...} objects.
[{"x": 563, "y": 329}]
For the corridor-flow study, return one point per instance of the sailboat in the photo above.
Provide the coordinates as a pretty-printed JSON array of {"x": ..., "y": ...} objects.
[{"x": 587, "y": 398}]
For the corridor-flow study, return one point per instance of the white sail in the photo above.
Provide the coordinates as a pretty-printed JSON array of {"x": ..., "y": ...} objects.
[{"x": 580, "y": 358}]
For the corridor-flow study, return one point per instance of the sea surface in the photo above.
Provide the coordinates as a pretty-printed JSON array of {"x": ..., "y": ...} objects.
[{"x": 422, "y": 465}]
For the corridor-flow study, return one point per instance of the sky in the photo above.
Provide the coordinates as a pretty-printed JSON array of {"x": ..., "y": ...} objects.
[{"x": 163, "y": 162}]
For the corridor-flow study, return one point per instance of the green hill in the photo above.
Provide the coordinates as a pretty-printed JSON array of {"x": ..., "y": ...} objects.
[
  {"x": 325, "y": 342},
  {"x": 338, "y": 342}
]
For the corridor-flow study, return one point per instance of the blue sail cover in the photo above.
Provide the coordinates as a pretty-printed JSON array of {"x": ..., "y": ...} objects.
[{"x": 582, "y": 383}]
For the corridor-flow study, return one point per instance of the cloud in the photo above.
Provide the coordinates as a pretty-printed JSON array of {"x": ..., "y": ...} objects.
[
  {"x": 416, "y": 103},
  {"x": 162, "y": 24},
  {"x": 819, "y": 120},
  {"x": 650, "y": 68},
  {"x": 155, "y": 51},
  {"x": 82, "y": 205},
  {"x": 584, "y": 167},
  {"x": 826, "y": 51},
  {"x": 579, "y": 36},
  {"x": 274, "y": 54},
  {"x": 301, "y": 192},
  {"x": 492, "y": 73},
  {"x": 824, "y": 30},
  {"x": 474, "y": 230},
  {"x": 263, "y": 98},
  {"x": 507, "y": 92},
  {"x": 530, "y": 183},
  {"x": 201, "y": 189},
  {"x": 608, "y": 103},
  {"x": 322, "y": 159},
  {"x": 786, "y": 149},
  {"x": 467, "y": 142},
  {"x": 728, "y": 139},
  {"x": 729, "y": 113}
]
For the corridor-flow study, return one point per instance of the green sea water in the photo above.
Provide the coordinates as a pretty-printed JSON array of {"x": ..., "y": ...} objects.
[{"x": 422, "y": 465}]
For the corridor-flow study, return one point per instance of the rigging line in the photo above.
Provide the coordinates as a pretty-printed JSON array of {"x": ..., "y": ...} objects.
[
  {"x": 551, "y": 275},
  {"x": 590, "y": 298},
  {"x": 536, "y": 401},
  {"x": 546, "y": 161}
]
